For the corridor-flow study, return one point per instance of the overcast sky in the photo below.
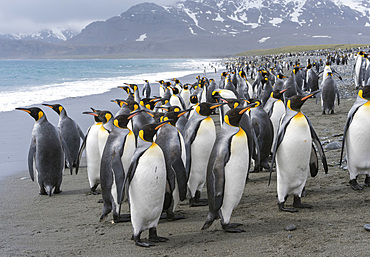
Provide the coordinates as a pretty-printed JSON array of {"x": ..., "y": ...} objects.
[{"x": 24, "y": 16}]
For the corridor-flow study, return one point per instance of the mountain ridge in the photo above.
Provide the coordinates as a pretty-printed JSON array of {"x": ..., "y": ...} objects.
[{"x": 210, "y": 28}]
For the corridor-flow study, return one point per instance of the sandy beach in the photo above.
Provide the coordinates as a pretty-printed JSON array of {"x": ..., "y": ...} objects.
[{"x": 68, "y": 224}]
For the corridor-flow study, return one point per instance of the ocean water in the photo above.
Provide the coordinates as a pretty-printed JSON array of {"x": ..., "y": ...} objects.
[{"x": 28, "y": 82}]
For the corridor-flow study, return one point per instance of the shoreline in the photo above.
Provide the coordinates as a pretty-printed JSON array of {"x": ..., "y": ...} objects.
[{"x": 16, "y": 127}]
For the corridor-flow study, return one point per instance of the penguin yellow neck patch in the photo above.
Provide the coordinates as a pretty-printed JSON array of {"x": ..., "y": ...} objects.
[{"x": 40, "y": 115}]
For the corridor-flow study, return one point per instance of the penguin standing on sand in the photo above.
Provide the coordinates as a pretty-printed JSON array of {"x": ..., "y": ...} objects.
[
  {"x": 172, "y": 144},
  {"x": 200, "y": 135},
  {"x": 147, "y": 185},
  {"x": 295, "y": 154},
  {"x": 94, "y": 144},
  {"x": 264, "y": 131},
  {"x": 146, "y": 89},
  {"x": 46, "y": 156},
  {"x": 70, "y": 132},
  {"x": 227, "y": 171},
  {"x": 356, "y": 138},
  {"x": 117, "y": 154},
  {"x": 329, "y": 91}
]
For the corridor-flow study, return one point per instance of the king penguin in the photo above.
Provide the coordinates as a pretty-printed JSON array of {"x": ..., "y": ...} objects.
[
  {"x": 200, "y": 135},
  {"x": 172, "y": 144},
  {"x": 117, "y": 154},
  {"x": 227, "y": 171},
  {"x": 46, "y": 156},
  {"x": 146, "y": 89},
  {"x": 70, "y": 132},
  {"x": 356, "y": 138},
  {"x": 329, "y": 91},
  {"x": 94, "y": 143},
  {"x": 147, "y": 185},
  {"x": 295, "y": 154}
]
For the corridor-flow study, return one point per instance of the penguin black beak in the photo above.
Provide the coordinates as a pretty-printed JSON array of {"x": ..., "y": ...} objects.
[
  {"x": 24, "y": 109},
  {"x": 136, "y": 113},
  {"x": 308, "y": 96},
  {"x": 162, "y": 124},
  {"x": 91, "y": 113},
  {"x": 248, "y": 107},
  {"x": 282, "y": 91},
  {"x": 183, "y": 112},
  {"x": 216, "y": 105}
]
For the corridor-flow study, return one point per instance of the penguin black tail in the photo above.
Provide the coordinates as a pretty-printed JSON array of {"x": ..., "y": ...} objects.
[{"x": 210, "y": 218}]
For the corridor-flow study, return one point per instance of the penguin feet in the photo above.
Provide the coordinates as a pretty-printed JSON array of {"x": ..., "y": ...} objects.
[
  {"x": 355, "y": 185},
  {"x": 367, "y": 182},
  {"x": 153, "y": 237},
  {"x": 196, "y": 201},
  {"x": 57, "y": 190},
  {"x": 138, "y": 241},
  {"x": 42, "y": 191},
  {"x": 193, "y": 202},
  {"x": 93, "y": 190},
  {"x": 298, "y": 204},
  {"x": 170, "y": 216},
  {"x": 121, "y": 218},
  {"x": 282, "y": 208},
  {"x": 232, "y": 228}
]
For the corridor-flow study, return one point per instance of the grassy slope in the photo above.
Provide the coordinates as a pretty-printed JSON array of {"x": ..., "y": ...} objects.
[{"x": 288, "y": 49}]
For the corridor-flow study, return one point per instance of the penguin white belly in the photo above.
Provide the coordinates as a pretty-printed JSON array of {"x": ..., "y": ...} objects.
[
  {"x": 185, "y": 94},
  {"x": 182, "y": 145},
  {"x": 102, "y": 139},
  {"x": 93, "y": 158},
  {"x": 147, "y": 189},
  {"x": 292, "y": 158},
  {"x": 175, "y": 101},
  {"x": 358, "y": 143},
  {"x": 236, "y": 170},
  {"x": 200, "y": 151},
  {"x": 277, "y": 113}
]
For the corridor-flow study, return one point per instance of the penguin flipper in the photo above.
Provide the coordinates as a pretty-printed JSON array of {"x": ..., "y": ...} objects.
[
  {"x": 314, "y": 167},
  {"x": 67, "y": 154},
  {"x": 82, "y": 148},
  {"x": 82, "y": 136},
  {"x": 317, "y": 143},
  {"x": 179, "y": 168},
  {"x": 119, "y": 175},
  {"x": 31, "y": 155}
]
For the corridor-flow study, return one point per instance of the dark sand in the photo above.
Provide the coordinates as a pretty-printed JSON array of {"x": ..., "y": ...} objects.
[{"x": 68, "y": 224}]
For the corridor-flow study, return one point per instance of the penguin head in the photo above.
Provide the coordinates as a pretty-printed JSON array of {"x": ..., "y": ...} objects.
[
  {"x": 35, "y": 112},
  {"x": 205, "y": 108},
  {"x": 119, "y": 102},
  {"x": 146, "y": 81},
  {"x": 102, "y": 116},
  {"x": 56, "y": 107},
  {"x": 126, "y": 88},
  {"x": 149, "y": 130},
  {"x": 329, "y": 74},
  {"x": 156, "y": 115},
  {"x": 194, "y": 99},
  {"x": 281, "y": 76},
  {"x": 173, "y": 116},
  {"x": 186, "y": 86},
  {"x": 365, "y": 92},
  {"x": 233, "y": 103},
  {"x": 132, "y": 86},
  {"x": 295, "y": 102},
  {"x": 175, "y": 90},
  {"x": 233, "y": 116},
  {"x": 278, "y": 94}
]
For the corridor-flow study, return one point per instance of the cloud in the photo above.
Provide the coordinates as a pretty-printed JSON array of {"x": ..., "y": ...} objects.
[{"x": 23, "y": 16}]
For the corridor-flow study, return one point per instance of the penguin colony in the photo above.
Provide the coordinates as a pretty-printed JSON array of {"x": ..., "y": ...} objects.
[{"x": 157, "y": 151}]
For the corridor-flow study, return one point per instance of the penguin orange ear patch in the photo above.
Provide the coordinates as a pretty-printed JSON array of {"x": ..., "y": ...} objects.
[{"x": 40, "y": 115}]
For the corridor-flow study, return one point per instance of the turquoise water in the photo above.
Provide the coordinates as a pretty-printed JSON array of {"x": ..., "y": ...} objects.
[{"x": 28, "y": 82}]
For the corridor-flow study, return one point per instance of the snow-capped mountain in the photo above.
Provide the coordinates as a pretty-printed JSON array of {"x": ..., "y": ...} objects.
[
  {"x": 224, "y": 26},
  {"x": 209, "y": 28},
  {"x": 50, "y": 36}
]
